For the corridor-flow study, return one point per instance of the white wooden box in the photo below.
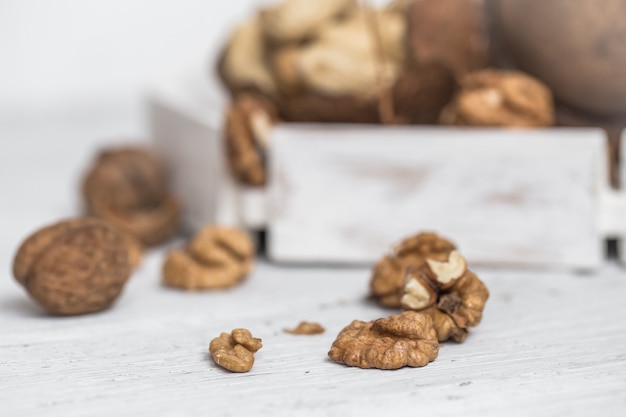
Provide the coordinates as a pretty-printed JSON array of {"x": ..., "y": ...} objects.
[{"x": 343, "y": 194}]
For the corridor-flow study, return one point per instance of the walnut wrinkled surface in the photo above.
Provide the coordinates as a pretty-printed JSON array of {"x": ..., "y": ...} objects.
[
  {"x": 500, "y": 98},
  {"x": 388, "y": 278},
  {"x": 235, "y": 351},
  {"x": 74, "y": 267},
  {"x": 216, "y": 258},
  {"x": 447, "y": 291},
  {"x": 306, "y": 328},
  {"x": 127, "y": 188},
  {"x": 249, "y": 121},
  {"x": 407, "y": 339}
]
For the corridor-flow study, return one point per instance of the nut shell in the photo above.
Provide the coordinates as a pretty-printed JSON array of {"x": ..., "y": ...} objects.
[
  {"x": 73, "y": 267},
  {"x": 127, "y": 188}
]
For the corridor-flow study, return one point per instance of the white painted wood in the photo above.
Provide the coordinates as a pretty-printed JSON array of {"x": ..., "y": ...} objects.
[
  {"x": 507, "y": 197},
  {"x": 186, "y": 125},
  {"x": 551, "y": 343}
]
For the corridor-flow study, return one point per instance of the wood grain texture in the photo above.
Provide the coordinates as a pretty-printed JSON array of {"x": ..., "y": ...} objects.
[
  {"x": 506, "y": 197},
  {"x": 551, "y": 344}
]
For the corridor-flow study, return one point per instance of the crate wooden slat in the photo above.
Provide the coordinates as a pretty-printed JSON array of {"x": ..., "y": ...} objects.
[{"x": 507, "y": 197}]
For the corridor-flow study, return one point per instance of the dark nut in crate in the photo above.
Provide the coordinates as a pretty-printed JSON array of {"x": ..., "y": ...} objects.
[
  {"x": 407, "y": 339},
  {"x": 235, "y": 351},
  {"x": 127, "y": 188},
  {"x": 249, "y": 121},
  {"x": 74, "y": 267},
  {"x": 388, "y": 278},
  {"x": 451, "y": 33},
  {"x": 447, "y": 291},
  {"x": 216, "y": 258},
  {"x": 500, "y": 98}
]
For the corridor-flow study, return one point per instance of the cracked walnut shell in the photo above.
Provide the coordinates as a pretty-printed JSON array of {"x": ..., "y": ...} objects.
[
  {"x": 127, "y": 188},
  {"x": 249, "y": 121},
  {"x": 388, "y": 278},
  {"x": 407, "y": 339},
  {"x": 235, "y": 351},
  {"x": 500, "y": 98},
  {"x": 74, "y": 267},
  {"x": 447, "y": 291},
  {"x": 216, "y": 258}
]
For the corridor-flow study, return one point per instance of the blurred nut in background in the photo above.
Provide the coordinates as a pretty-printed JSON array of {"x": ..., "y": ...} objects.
[
  {"x": 407, "y": 339},
  {"x": 500, "y": 98},
  {"x": 74, "y": 267},
  {"x": 216, "y": 258},
  {"x": 127, "y": 187},
  {"x": 249, "y": 121}
]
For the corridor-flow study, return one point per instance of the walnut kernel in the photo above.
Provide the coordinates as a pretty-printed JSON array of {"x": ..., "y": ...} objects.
[
  {"x": 306, "y": 328},
  {"x": 407, "y": 339},
  {"x": 215, "y": 258},
  {"x": 73, "y": 267},
  {"x": 235, "y": 351},
  {"x": 500, "y": 98}
]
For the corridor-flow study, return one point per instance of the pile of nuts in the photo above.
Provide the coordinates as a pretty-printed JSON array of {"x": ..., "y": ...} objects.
[{"x": 411, "y": 62}]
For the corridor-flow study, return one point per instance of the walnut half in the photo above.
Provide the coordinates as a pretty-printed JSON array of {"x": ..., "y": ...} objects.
[{"x": 407, "y": 339}]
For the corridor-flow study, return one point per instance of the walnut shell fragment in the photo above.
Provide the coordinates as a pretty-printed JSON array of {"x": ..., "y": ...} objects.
[
  {"x": 388, "y": 278},
  {"x": 235, "y": 351},
  {"x": 447, "y": 291},
  {"x": 127, "y": 188},
  {"x": 249, "y": 121},
  {"x": 500, "y": 98},
  {"x": 216, "y": 258},
  {"x": 74, "y": 267},
  {"x": 407, "y": 339},
  {"x": 306, "y": 328}
]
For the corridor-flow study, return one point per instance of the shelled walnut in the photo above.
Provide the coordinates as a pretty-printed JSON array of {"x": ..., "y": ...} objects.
[
  {"x": 127, "y": 188},
  {"x": 215, "y": 258},
  {"x": 306, "y": 328},
  {"x": 74, "y": 267},
  {"x": 235, "y": 351},
  {"x": 388, "y": 278},
  {"x": 407, "y": 339},
  {"x": 447, "y": 291},
  {"x": 500, "y": 98}
]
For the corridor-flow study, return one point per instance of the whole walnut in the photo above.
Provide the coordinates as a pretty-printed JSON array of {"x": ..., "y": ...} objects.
[
  {"x": 388, "y": 278},
  {"x": 127, "y": 187},
  {"x": 407, "y": 339},
  {"x": 500, "y": 98},
  {"x": 216, "y": 258},
  {"x": 74, "y": 267}
]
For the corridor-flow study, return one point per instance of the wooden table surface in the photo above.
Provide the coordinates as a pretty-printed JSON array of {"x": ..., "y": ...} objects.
[{"x": 551, "y": 343}]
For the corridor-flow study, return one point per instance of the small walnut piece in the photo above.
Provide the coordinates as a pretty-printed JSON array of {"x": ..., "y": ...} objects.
[
  {"x": 216, "y": 258},
  {"x": 235, "y": 351},
  {"x": 407, "y": 339},
  {"x": 306, "y": 328},
  {"x": 500, "y": 98},
  {"x": 127, "y": 188},
  {"x": 249, "y": 122},
  {"x": 74, "y": 267},
  {"x": 447, "y": 291},
  {"x": 389, "y": 275}
]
